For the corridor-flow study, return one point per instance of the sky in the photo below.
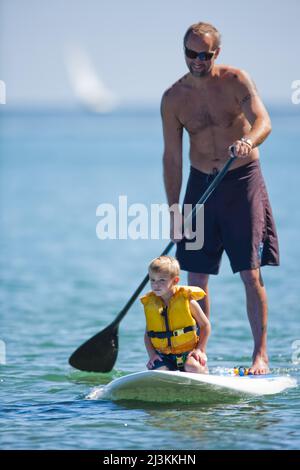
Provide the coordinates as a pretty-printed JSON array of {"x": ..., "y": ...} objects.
[{"x": 136, "y": 45}]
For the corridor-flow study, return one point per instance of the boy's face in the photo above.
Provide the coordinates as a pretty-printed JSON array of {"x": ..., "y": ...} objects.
[{"x": 162, "y": 283}]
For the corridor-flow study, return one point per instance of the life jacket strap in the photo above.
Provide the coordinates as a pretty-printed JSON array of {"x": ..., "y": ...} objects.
[
  {"x": 169, "y": 334},
  {"x": 180, "y": 361}
]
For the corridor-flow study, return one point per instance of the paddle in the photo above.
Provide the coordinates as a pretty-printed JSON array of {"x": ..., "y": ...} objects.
[{"x": 99, "y": 353}]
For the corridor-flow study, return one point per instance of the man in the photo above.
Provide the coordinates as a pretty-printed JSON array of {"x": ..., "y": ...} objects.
[{"x": 219, "y": 107}]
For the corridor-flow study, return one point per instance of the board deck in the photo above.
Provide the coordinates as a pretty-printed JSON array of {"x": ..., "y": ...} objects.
[{"x": 167, "y": 386}]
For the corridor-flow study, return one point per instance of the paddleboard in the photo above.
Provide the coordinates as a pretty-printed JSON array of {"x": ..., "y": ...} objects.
[{"x": 169, "y": 386}]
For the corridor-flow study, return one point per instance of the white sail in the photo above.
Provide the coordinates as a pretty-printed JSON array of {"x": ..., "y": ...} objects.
[{"x": 86, "y": 84}]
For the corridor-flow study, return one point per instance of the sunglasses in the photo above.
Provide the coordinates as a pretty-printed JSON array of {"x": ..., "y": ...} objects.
[{"x": 201, "y": 55}]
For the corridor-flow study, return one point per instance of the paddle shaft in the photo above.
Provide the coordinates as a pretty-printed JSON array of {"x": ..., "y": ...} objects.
[
  {"x": 216, "y": 181},
  {"x": 99, "y": 353}
]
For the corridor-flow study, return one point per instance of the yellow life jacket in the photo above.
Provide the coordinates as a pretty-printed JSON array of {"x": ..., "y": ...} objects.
[{"x": 172, "y": 329}]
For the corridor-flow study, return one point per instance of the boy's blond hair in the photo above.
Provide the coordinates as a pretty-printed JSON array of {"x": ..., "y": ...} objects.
[{"x": 166, "y": 265}]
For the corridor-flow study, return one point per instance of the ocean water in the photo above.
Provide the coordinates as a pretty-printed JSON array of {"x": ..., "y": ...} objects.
[{"x": 60, "y": 285}]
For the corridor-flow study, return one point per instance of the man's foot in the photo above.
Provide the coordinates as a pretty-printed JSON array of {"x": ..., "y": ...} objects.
[{"x": 260, "y": 366}]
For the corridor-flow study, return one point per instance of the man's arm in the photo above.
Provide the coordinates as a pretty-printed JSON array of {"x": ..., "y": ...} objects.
[
  {"x": 172, "y": 156},
  {"x": 253, "y": 108}
]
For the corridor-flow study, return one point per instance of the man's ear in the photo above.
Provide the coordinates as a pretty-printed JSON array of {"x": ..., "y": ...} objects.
[{"x": 217, "y": 52}]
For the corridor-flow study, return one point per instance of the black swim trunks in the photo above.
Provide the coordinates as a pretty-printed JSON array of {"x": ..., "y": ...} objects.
[
  {"x": 237, "y": 218},
  {"x": 171, "y": 361}
]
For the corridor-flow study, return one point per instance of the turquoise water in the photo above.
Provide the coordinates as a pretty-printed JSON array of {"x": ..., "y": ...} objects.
[{"x": 60, "y": 284}]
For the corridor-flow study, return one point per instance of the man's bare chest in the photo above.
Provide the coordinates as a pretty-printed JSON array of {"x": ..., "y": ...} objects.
[{"x": 203, "y": 112}]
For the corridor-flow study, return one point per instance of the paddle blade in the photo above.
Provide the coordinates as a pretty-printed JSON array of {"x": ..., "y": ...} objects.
[{"x": 99, "y": 353}]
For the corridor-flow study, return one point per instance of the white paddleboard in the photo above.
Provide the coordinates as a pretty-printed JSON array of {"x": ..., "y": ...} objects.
[{"x": 167, "y": 386}]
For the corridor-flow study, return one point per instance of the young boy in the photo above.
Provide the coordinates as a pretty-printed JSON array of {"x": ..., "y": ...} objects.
[{"x": 173, "y": 320}]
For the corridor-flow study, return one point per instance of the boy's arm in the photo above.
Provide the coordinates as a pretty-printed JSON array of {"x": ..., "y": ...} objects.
[
  {"x": 203, "y": 323},
  {"x": 153, "y": 356},
  {"x": 148, "y": 344}
]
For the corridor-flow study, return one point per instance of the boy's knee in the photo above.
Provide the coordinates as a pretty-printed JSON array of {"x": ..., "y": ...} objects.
[{"x": 191, "y": 365}]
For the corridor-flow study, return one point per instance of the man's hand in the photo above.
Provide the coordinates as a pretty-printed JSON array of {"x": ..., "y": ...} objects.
[
  {"x": 152, "y": 359},
  {"x": 200, "y": 356},
  {"x": 240, "y": 148}
]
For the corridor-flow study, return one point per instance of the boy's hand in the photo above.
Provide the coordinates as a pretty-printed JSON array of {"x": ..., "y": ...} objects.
[
  {"x": 200, "y": 356},
  {"x": 152, "y": 359}
]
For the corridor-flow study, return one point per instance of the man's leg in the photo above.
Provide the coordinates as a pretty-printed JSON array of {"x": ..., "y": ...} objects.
[
  {"x": 201, "y": 280},
  {"x": 257, "y": 310}
]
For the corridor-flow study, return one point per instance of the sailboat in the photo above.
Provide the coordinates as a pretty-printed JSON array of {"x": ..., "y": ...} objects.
[{"x": 87, "y": 86}]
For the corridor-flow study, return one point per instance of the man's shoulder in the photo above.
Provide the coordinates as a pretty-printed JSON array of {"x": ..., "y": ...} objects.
[
  {"x": 232, "y": 73},
  {"x": 176, "y": 90}
]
